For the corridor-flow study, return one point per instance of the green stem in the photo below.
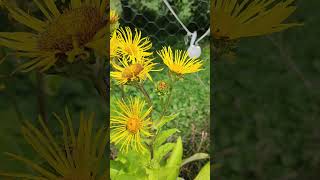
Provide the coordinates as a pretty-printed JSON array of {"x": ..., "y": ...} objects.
[
  {"x": 145, "y": 93},
  {"x": 166, "y": 104},
  {"x": 41, "y": 97},
  {"x": 168, "y": 100},
  {"x": 99, "y": 79},
  {"x": 148, "y": 99},
  {"x": 123, "y": 95},
  {"x": 101, "y": 87}
]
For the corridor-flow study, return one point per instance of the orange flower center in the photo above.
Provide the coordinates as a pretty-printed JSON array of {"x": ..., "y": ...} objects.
[
  {"x": 75, "y": 27},
  {"x": 133, "y": 125},
  {"x": 132, "y": 71},
  {"x": 162, "y": 85},
  {"x": 222, "y": 25},
  {"x": 131, "y": 49}
]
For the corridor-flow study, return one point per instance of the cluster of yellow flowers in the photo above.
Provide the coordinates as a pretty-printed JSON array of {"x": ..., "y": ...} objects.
[{"x": 132, "y": 61}]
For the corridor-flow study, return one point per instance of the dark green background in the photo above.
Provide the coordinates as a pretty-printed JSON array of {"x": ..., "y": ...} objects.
[
  {"x": 266, "y": 104},
  {"x": 20, "y": 96}
]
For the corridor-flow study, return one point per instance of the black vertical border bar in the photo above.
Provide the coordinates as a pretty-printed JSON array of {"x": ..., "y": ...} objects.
[
  {"x": 212, "y": 107},
  {"x": 107, "y": 79}
]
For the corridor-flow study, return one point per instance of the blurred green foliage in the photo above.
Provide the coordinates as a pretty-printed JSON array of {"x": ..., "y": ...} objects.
[
  {"x": 154, "y": 18},
  {"x": 267, "y": 117},
  {"x": 157, "y": 7},
  {"x": 19, "y": 101},
  {"x": 116, "y": 6}
]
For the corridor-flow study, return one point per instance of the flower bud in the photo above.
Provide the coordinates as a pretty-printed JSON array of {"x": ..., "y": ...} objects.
[{"x": 162, "y": 88}]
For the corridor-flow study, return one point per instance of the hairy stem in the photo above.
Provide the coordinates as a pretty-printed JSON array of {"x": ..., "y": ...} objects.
[
  {"x": 145, "y": 93},
  {"x": 167, "y": 103},
  {"x": 123, "y": 95},
  {"x": 168, "y": 100},
  {"x": 101, "y": 88}
]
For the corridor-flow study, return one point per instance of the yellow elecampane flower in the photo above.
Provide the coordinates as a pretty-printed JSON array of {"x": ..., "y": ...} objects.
[
  {"x": 69, "y": 33},
  {"x": 129, "y": 124},
  {"x": 78, "y": 156},
  {"x": 114, "y": 17},
  {"x": 179, "y": 62},
  {"x": 233, "y": 19},
  {"x": 133, "y": 46},
  {"x": 126, "y": 70},
  {"x": 114, "y": 46}
]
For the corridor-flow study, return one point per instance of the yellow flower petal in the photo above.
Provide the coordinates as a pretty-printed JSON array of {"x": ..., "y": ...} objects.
[
  {"x": 179, "y": 62},
  {"x": 233, "y": 19}
]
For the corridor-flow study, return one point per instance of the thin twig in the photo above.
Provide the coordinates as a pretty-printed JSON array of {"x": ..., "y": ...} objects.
[
  {"x": 123, "y": 95},
  {"x": 41, "y": 97},
  {"x": 166, "y": 104},
  {"x": 101, "y": 82},
  {"x": 207, "y": 87},
  {"x": 101, "y": 86},
  {"x": 168, "y": 100},
  {"x": 291, "y": 64},
  {"x": 145, "y": 93}
]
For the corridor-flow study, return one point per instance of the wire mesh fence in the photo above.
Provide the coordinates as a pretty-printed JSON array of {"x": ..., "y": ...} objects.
[{"x": 154, "y": 19}]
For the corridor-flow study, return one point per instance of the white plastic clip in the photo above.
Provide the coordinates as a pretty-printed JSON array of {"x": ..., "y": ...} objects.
[{"x": 194, "y": 50}]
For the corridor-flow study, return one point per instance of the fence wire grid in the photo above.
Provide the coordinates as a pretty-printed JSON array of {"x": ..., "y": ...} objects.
[{"x": 155, "y": 20}]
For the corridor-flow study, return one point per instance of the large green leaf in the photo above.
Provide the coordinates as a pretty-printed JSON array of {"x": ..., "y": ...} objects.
[
  {"x": 175, "y": 159},
  {"x": 134, "y": 162},
  {"x": 163, "y": 120},
  {"x": 159, "y": 173},
  {"x": 204, "y": 173},
  {"x": 114, "y": 173},
  {"x": 116, "y": 168},
  {"x": 161, "y": 151},
  {"x": 163, "y": 136},
  {"x": 130, "y": 177}
]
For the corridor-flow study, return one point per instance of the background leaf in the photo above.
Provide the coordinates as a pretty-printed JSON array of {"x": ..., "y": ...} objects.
[{"x": 195, "y": 157}]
